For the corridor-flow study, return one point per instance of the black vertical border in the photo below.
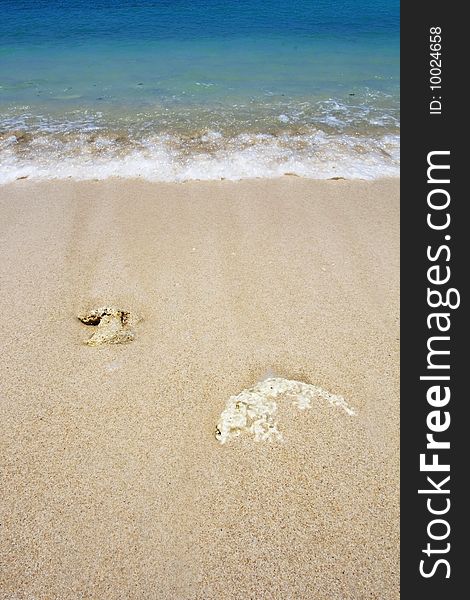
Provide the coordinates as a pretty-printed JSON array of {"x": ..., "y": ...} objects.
[{"x": 421, "y": 133}]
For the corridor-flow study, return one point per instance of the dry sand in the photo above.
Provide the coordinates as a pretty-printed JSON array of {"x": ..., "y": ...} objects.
[{"x": 113, "y": 484}]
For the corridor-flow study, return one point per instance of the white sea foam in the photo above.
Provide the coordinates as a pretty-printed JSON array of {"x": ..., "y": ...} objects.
[
  {"x": 253, "y": 411},
  {"x": 211, "y": 156}
]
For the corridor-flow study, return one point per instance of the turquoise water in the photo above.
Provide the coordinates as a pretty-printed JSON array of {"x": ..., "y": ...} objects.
[{"x": 175, "y": 90}]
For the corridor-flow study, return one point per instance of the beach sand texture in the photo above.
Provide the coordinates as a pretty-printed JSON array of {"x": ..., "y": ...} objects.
[{"x": 113, "y": 483}]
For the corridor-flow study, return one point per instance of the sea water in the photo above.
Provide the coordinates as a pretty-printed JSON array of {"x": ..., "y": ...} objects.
[{"x": 174, "y": 90}]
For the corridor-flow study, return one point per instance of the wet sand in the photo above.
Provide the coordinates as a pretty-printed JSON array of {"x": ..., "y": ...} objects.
[{"x": 113, "y": 484}]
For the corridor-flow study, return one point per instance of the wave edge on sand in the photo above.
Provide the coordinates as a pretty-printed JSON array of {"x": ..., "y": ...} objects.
[{"x": 209, "y": 156}]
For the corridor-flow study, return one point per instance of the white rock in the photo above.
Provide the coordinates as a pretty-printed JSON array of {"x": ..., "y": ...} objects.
[{"x": 253, "y": 410}]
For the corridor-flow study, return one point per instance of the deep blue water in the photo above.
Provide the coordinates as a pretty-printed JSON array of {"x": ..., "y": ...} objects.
[
  {"x": 181, "y": 89},
  {"x": 61, "y": 22}
]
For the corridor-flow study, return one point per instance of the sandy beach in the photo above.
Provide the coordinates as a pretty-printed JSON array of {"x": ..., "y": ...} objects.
[{"x": 113, "y": 483}]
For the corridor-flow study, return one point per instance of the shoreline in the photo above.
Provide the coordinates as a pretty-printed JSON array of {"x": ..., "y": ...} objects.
[
  {"x": 210, "y": 156},
  {"x": 142, "y": 180},
  {"x": 114, "y": 483}
]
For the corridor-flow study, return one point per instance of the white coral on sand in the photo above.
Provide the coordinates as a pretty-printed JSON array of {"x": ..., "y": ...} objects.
[{"x": 253, "y": 410}]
